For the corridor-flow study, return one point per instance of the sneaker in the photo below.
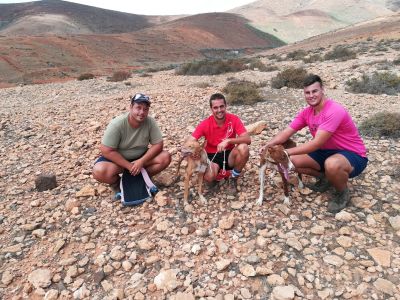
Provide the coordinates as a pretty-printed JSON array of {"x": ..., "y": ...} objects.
[
  {"x": 232, "y": 186},
  {"x": 115, "y": 187},
  {"x": 321, "y": 185},
  {"x": 153, "y": 190},
  {"x": 339, "y": 201}
]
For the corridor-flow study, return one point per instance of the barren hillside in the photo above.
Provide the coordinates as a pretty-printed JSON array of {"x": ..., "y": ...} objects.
[
  {"x": 381, "y": 28},
  {"x": 38, "y": 59},
  {"x": 293, "y": 21},
  {"x": 62, "y": 17}
]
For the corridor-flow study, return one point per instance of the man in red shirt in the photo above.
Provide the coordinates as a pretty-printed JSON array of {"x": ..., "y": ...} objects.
[{"x": 227, "y": 142}]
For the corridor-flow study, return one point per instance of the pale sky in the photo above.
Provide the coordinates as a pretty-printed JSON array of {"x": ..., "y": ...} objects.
[{"x": 161, "y": 7}]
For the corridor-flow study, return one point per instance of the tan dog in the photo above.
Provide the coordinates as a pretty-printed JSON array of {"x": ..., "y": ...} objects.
[
  {"x": 277, "y": 159},
  {"x": 197, "y": 162}
]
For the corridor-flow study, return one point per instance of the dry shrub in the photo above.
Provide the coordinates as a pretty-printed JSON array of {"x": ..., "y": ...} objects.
[
  {"x": 119, "y": 76},
  {"x": 161, "y": 68},
  {"x": 312, "y": 58},
  {"x": 85, "y": 76},
  {"x": 211, "y": 67},
  {"x": 242, "y": 92},
  {"x": 382, "y": 124},
  {"x": 256, "y": 63},
  {"x": 377, "y": 83},
  {"x": 202, "y": 85},
  {"x": 396, "y": 61},
  {"x": 340, "y": 53},
  {"x": 145, "y": 75},
  {"x": 291, "y": 77},
  {"x": 296, "y": 55}
]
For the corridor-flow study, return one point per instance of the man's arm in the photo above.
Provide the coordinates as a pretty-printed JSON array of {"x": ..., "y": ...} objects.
[
  {"x": 135, "y": 166},
  {"x": 320, "y": 139},
  {"x": 152, "y": 152},
  {"x": 113, "y": 155},
  {"x": 281, "y": 137},
  {"x": 244, "y": 138}
]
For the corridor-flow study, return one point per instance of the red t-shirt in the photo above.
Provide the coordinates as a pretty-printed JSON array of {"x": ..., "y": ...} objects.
[{"x": 215, "y": 134}]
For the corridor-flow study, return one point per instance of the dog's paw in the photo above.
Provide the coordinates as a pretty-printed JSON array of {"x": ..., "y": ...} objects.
[
  {"x": 301, "y": 185},
  {"x": 259, "y": 200},
  {"x": 203, "y": 199},
  {"x": 286, "y": 200}
]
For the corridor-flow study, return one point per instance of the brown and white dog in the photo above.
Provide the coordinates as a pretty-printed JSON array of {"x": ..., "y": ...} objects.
[
  {"x": 277, "y": 159},
  {"x": 197, "y": 162}
]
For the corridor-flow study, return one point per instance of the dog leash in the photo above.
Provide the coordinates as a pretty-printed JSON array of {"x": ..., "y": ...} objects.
[
  {"x": 223, "y": 163},
  {"x": 229, "y": 131},
  {"x": 153, "y": 189}
]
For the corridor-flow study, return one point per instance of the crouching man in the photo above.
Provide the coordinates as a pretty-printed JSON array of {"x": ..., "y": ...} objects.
[
  {"x": 125, "y": 145},
  {"x": 336, "y": 152}
]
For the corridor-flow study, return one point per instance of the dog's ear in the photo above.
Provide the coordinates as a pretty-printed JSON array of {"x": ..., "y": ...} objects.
[{"x": 289, "y": 144}]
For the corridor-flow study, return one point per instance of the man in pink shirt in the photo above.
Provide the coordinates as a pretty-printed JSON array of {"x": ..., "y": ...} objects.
[
  {"x": 227, "y": 142},
  {"x": 336, "y": 152}
]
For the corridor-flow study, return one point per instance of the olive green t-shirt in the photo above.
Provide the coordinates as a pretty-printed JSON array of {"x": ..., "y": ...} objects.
[{"x": 130, "y": 142}]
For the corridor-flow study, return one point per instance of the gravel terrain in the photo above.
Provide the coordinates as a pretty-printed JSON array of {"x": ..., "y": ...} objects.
[{"x": 74, "y": 242}]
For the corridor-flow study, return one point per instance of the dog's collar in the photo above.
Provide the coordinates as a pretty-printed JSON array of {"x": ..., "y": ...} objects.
[{"x": 195, "y": 156}]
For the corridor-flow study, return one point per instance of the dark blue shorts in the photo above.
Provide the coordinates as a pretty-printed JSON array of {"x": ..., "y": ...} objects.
[
  {"x": 358, "y": 162},
  {"x": 102, "y": 158}
]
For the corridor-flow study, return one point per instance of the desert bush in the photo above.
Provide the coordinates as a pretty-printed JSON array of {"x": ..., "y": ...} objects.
[
  {"x": 242, "y": 92},
  {"x": 312, "y": 58},
  {"x": 396, "y": 61},
  {"x": 377, "y": 83},
  {"x": 119, "y": 76},
  {"x": 384, "y": 65},
  {"x": 296, "y": 55},
  {"x": 270, "y": 68},
  {"x": 85, "y": 76},
  {"x": 381, "y": 124},
  {"x": 273, "y": 56},
  {"x": 211, "y": 67},
  {"x": 256, "y": 63},
  {"x": 145, "y": 75},
  {"x": 202, "y": 85},
  {"x": 161, "y": 68},
  {"x": 291, "y": 77},
  {"x": 340, "y": 53}
]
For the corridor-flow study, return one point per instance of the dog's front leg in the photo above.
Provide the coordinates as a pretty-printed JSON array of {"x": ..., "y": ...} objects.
[
  {"x": 200, "y": 188},
  {"x": 301, "y": 184},
  {"x": 261, "y": 176},
  {"x": 187, "y": 181},
  {"x": 285, "y": 183}
]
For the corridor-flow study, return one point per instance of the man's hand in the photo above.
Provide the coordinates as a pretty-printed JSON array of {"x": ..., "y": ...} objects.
[
  {"x": 262, "y": 149},
  {"x": 222, "y": 146},
  {"x": 136, "y": 166}
]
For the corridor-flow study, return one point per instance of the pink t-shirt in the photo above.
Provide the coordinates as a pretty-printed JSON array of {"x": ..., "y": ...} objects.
[
  {"x": 333, "y": 118},
  {"x": 215, "y": 134}
]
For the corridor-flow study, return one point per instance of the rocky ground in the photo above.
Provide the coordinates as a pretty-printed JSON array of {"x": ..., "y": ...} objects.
[{"x": 74, "y": 242}]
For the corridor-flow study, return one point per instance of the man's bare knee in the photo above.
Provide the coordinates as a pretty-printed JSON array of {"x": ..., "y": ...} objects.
[
  {"x": 98, "y": 172},
  {"x": 165, "y": 159},
  {"x": 243, "y": 150}
]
